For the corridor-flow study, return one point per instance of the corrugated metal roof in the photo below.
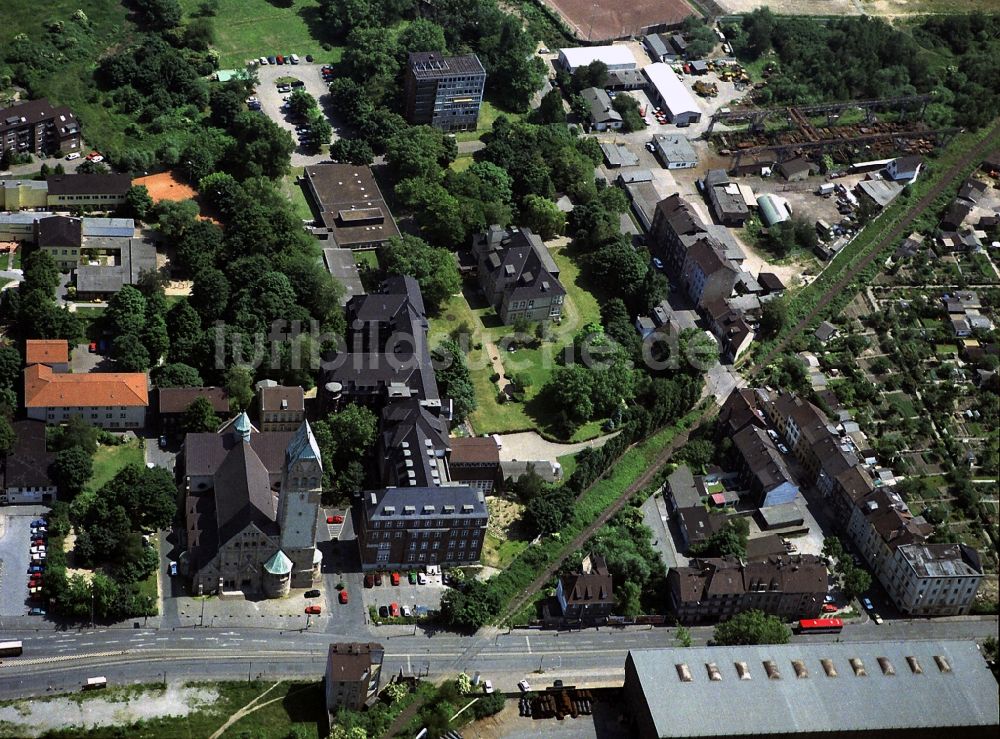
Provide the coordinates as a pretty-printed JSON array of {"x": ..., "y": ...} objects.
[
  {"x": 954, "y": 688},
  {"x": 675, "y": 95},
  {"x": 617, "y": 55}
]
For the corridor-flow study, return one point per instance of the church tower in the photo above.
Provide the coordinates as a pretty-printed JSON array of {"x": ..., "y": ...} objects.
[{"x": 298, "y": 506}]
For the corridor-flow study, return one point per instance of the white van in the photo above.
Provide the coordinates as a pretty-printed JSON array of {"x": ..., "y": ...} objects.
[
  {"x": 95, "y": 683},
  {"x": 74, "y": 155},
  {"x": 294, "y": 58}
]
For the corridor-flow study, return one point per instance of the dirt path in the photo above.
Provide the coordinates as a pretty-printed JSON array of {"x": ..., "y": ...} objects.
[
  {"x": 494, "y": 354},
  {"x": 528, "y": 445},
  {"x": 248, "y": 708}
]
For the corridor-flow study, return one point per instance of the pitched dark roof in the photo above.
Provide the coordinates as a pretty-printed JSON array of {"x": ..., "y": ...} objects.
[
  {"x": 204, "y": 453},
  {"x": 89, "y": 184},
  {"x": 593, "y": 584},
  {"x": 474, "y": 450},
  {"x": 243, "y": 494},
  {"x": 177, "y": 399},
  {"x": 28, "y": 463},
  {"x": 762, "y": 457},
  {"x": 59, "y": 231},
  {"x": 272, "y": 398},
  {"x": 413, "y": 445},
  {"x": 351, "y": 661}
]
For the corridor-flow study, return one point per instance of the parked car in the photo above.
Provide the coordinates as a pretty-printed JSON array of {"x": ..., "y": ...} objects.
[
  {"x": 829, "y": 608},
  {"x": 394, "y": 609},
  {"x": 383, "y": 611},
  {"x": 298, "y": 83},
  {"x": 272, "y": 60},
  {"x": 293, "y": 58},
  {"x": 309, "y": 58},
  {"x": 657, "y": 262},
  {"x": 412, "y": 577},
  {"x": 71, "y": 157},
  {"x": 38, "y": 522},
  {"x": 782, "y": 448},
  {"x": 866, "y": 602},
  {"x": 343, "y": 597},
  {"x": 36, "y": 611},
  {"x": 487, "y": 686},
  {"x": 172, "y": 569},
  {"x": 395, "y": 578},
  {"x": 369, "y": 581},
  {"x": 312, "y": 594},
  {"x": 378, "y": 578},
  {"x": 38, "y": 549},
  {"x": 314, "y": 610},
  {"x": 163, "y": 442},
  {"x": 36, "y": 568},
  {"x": 280, "y": 59},
  {"x": 876, "y": 618},
  {"x": 336, "y": 518},
  {"x": 829, "y": 599},
  {"x": 524, "y": 685},
  {"x": 405, "y": 610}
]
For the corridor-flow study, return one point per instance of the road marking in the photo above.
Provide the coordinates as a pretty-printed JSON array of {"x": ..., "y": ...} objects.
[
  {"x": 87, "y": 644},
  {"x": 528, "y": 642},
  {"x": 409, "y": 668},
  {"x": 111, "y": 641}
]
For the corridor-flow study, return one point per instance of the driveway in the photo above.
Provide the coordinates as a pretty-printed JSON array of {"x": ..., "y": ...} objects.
[
  {"x": 15, "y": 531},
  {"x": 654, "y": 515},
  {"x": 528, "y": 445},
  {"x": 271, "y": 101}
]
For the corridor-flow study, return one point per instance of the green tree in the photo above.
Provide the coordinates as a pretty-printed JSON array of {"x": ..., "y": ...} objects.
[
  {"x": 751, "y": 627},
  {"x": 570, "y": 390},
  {"x": 453, "y": 378},
  {"x": 263, "y": 149},
  {"x": 159, "y": 15},
  {"x": 301, "y": 104},
  {"x": 71, "y": 469},
  {"x": 421, "y": 35},
  {"x": 418, "y": 151},
  {"x": 438, "y": 212},
  {"x": 433, "y": 268},
  {"x": 628, "y": 107},
  {"x": 773, "y": 318},
  {"x": 550, "y": 109},
  {"x": 8, "y": 437},
  {"x": 210, "y": 295},
  {"x": 683, "y": 635},
  {"x": 543, "y": 216},
  {"x": 174, "y": 217},
  {"x": 138, "y": 202},
  {"x": 126, "y": 313},
  {"x": 472, "y": 605},
  {"x": 200, "y": 417},
  {"x": 856, "y": 582},
  {"x": 239, "y": 387},
  {"x": 353, "y": 151},
  {"x": 129, "y": 353},
  {"x": 730, "y": 540},
  {"x": 176, "y": 374},
  {"x": 155, "y": 338},
  {"x": 619, "y": 266},
  {"x": 10, "y": 366}
]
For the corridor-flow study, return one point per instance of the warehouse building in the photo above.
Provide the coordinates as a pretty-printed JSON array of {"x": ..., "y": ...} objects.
[
  {"x": 667, "y": 91},
  {"x": 617, "y": 57},
  {"x": 885, "y": 689},
  {"x": 675, "y": 152}
]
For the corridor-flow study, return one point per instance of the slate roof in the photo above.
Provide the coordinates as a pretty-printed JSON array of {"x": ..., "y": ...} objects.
[
  {"x": 204, "y": 453},
  {"x": 59, "y": 231},
  {"x": 953, "y": 688},
  {"x": 764, "y": 460},
  {"x": 519, "y": 262},
  {"x": 177, "y": 399},
  {"x": 271, "y": 398},
  {"x": 589, "y": 587},
  {"x": 352, "y": 662},
  {"x": 243, "y": 494},
  {"x": 681, "y": 485},
  {"x": 89, "y": 184},
  {"x": 27, "y": 465},
  {"x": 414, "y": 445}
]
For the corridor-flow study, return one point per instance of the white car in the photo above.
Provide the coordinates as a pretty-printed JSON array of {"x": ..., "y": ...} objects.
[
  {"x": 421, "y": 578},
  {"x": 262, "y": 61},
  {"x": 71, "y": 157},
  {"x": 524, "y": 685},
  {"x": 487, "y": 686},
  {"x": 38, "y": 550}
]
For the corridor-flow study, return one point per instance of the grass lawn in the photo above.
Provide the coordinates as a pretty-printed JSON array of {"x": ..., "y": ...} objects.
[
  {"x": 488, "y": 112},
  {"x": 580, "y": 308},
  {"x": 499, "y": 552},
  {"x": 903, "y": 403},
  {"x": 247, "y": 29},
  {"x": 295, "y": 193},
  {"x": 369, "y": 258},
  {"x": 109, "y": 460},
  {"x": 462, "y": 163},
  {"x": 945, "y": 349}
]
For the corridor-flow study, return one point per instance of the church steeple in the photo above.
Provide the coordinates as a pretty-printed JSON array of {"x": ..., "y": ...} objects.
[{"x": 243, "y": 426}]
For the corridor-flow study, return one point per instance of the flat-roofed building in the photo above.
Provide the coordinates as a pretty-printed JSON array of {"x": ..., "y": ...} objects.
[
  {"x": 445, "y": 92},
  {"x": 615, "y": 57},
  {"x": 675, "y": 152},
  {"x": 342, "y": 267},
  {"x": 353, "y": 213},
  {"x": 23, "y": 194},
  {"x": 475, "y": 461},
  {"x": 894, "y": 689}
]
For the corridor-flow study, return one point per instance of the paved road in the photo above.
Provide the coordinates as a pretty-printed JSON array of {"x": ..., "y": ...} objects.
[
  {"x": 63, "y": 660},
  {"x": 271, "y": 100}
]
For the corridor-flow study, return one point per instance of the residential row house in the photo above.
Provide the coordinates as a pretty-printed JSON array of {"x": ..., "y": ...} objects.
[
  {"x": 715, "y": 589},
  {"x": 922, "y": 578},
  {"x": 25, "y": 472},
  {"x": 586, "y": 596},
  {"x": 518, "y": 275}
]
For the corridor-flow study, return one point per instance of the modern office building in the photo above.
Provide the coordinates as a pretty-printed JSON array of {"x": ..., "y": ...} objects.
[{"x": 444, "y": 91}]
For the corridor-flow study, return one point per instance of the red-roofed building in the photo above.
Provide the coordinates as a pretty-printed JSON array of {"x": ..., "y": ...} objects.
[
  {"x": 111, "y": 400},
  {"x": 51, "y": 352}
]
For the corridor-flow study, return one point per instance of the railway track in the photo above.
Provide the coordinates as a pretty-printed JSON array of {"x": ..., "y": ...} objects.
[{"x": 975, "y": 154}]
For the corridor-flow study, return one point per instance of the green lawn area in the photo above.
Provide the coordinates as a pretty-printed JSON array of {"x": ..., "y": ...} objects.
[
  {"x": 462, "y": 163},
  {"x": 903, "y": 403},
  {"x": 109, "y": 460},
  {"x": 499, "y": 552},
  {"x": 369, "y": 258},
  {"x": 247, "y": 29},
  {"x": 581, "y": 307},
  {"x": 945, "y": 349},
  {"x": 488, "y": 112},
  {"x": 295, "y": 193}
]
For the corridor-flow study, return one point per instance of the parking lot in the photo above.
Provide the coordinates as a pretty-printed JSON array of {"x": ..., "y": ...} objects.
[
  {"x": 406, "y": 594},
  {"x": 15, "y": 543},
  {"x": 271, "y": 101}
]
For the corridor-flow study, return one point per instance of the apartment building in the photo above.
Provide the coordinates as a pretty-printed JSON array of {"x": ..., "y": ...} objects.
[
  {"x": 713, "y": 589},
  {"x": 353, "y": 674},
  {"x": 23, "y": 194},
  {"x": 24, "y": 473},
  {"x": 587, "y": 595},
  {"x": 87, "y": 191},
  {"x": 37, "y": 127},
  {"x": 173, "y": 402},
  {"x": 444, "y": 91},
  {"x": 280, "y": 407},
  {"x": 518, "y": 275}
]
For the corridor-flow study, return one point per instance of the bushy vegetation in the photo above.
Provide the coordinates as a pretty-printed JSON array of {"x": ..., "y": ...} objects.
[
  {"x": 861, "y": 58},
  {"x": 751, "y": 627}
]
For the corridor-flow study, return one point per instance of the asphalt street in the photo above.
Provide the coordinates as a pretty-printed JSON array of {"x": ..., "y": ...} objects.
[{"x": 61, "y": 660}]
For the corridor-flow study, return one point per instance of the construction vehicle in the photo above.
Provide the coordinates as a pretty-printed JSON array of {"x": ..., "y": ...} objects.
[{"x": 706, "y": 89}]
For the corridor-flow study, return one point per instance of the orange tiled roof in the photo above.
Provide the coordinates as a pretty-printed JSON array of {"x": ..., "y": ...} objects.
[
  {"x": 44, "y": 388},
  {"x": 46, "y": 351}
]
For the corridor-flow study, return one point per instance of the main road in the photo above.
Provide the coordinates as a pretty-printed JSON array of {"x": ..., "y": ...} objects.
[{"x": 61, "y": 660}]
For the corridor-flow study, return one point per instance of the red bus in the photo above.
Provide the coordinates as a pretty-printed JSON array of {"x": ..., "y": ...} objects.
[{"x": 821, "y": 626}]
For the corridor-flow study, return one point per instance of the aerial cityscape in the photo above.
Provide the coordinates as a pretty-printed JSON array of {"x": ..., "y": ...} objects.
[{"x": 466, "y": 368}]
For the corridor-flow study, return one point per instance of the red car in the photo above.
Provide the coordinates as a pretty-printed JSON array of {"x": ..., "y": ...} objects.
[
  {"x": 337, "y": 519},
  {"x": 395, "y": 578},
  {"x": 343, "y": 596},
  {"x": 394, "y": 609},
  {"x": 829, "y": 608},
  {"x": 314, "y": 610},
  {"x": 93, "y": 347}
]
